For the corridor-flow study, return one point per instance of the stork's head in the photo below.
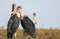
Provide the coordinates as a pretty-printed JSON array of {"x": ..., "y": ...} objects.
[
  {"x": 13, "y": 7},
  {"x": 24, "y": 15},
  {"x": 34, "y": 14},
  {"x": 19, "y": 8}
]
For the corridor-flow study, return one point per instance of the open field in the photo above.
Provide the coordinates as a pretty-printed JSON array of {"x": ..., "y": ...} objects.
[{"x": 41, "y": 34}]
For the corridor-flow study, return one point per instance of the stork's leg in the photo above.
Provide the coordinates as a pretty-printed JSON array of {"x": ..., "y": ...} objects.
[
  {"x": 15, "y": 35},
  {"x": 24, "y": 35}
]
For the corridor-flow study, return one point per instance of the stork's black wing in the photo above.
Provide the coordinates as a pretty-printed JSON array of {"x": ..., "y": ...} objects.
[
  {"x": 28, "y": 25},
  {"x": 12, "y": 25}
]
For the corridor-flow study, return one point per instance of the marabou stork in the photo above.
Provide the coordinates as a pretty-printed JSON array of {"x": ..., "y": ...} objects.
[
  {"x": 28, "y": 26},
  {"x": 13, "y": 24}
]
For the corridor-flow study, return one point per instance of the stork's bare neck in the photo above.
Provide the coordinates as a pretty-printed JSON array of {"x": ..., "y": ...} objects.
[{"x": 21, "y": 16}]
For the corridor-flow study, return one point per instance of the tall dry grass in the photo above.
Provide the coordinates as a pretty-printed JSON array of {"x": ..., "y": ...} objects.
[{"x": 41, "y": 34}]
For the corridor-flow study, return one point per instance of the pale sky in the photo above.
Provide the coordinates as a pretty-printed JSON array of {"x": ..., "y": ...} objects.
[{"x": 48, "y": 11}]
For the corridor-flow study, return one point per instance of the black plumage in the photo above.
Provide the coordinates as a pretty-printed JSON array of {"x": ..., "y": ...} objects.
[
  {"x": 28, "y": 26},
  {"x": 12, "y": 25}
]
